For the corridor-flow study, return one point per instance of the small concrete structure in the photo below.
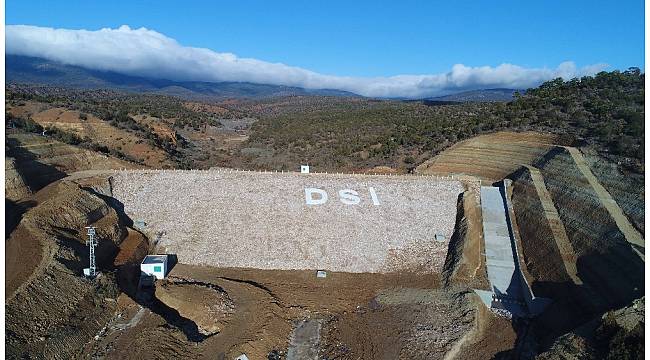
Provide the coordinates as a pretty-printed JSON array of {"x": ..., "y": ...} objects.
[
  {"x": 139, "y": 224},
  {"x": 304, "y": 169},
  {"x": 304, "y": 341},
  {"x": 155, "y": 265},
  {"x": 321, "y": 274}
]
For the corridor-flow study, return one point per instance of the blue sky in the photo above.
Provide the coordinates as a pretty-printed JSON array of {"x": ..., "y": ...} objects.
[{"x": 372, "y": 38}]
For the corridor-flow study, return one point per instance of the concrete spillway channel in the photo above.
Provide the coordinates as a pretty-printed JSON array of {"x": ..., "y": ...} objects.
[{"x": 509, "y": 290}]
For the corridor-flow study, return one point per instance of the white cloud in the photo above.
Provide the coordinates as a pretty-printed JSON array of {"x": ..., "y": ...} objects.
[{"x": 148, "y": 53}]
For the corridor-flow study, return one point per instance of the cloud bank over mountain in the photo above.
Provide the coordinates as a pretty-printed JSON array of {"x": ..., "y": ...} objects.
[{"x": 145, "y": 52}]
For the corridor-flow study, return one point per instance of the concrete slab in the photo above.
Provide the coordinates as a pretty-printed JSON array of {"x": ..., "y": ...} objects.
[{"x": 305, "y": 340}]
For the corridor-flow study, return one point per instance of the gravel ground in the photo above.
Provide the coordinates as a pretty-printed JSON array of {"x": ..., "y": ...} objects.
[{"x": 225, "y": 218}]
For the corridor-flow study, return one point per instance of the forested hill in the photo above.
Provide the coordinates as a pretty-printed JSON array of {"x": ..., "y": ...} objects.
[
  {"x": 604, "y": 112},
  {"x": 606, "y": 109}
]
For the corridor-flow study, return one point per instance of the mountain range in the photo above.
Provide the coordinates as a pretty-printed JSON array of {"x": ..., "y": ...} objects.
[
  {"x": 483, "y": 95},
  {"x": 31, "y": 70}
]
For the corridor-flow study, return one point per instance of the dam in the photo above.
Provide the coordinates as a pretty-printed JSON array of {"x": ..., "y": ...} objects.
[{"x": 287, "y": 221}]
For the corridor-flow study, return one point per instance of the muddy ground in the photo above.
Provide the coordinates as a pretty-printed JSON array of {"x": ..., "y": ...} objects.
[{"x": 254, "y": 312}]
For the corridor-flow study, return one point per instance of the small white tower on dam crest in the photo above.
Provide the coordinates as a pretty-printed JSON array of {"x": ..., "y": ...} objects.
[{"x": 304, "y": 169}]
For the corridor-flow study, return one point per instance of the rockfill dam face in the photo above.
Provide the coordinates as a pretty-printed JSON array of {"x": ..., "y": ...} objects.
[{"x": 337, "y": 222}]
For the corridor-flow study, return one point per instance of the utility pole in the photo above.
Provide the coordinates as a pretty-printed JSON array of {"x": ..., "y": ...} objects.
[{"x": 91, "y": 243}]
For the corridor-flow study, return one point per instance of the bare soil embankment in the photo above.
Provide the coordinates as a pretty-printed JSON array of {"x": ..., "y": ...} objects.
[
  {"x": 51, "y": 310},
  {"x": 593, "y": 269},
  {"x": 465, "y": 263},
  {"x": 209, "y": 307},
  {"x": 493, "y": 337},
  {"x": 15, "y": 185}
]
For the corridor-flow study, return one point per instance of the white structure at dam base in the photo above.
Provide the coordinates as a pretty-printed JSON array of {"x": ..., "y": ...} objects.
[{"x": 155, "y": 265}]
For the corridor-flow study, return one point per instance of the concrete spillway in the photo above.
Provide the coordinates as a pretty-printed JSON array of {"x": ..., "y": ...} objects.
[
  {"x": 500, "y": 259},
  {"x": 509, "y": 290}
]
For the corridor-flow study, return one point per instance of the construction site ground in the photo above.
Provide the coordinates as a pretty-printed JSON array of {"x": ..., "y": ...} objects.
[
  {"x": 379, "y": 316},
  {"x": 209, "y": 312}
]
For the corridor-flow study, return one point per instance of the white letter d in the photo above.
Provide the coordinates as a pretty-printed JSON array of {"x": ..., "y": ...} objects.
[{"x": 309, "y": 196}]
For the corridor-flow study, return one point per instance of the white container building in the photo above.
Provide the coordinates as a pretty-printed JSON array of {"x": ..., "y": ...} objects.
[{"x": 155, "y": 265}]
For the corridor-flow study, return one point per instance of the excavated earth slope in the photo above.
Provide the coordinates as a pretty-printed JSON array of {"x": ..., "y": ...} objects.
[
  {"x": 36, "y": 161},
  {"x": 51, "y": 310},
  {"x": 627, "y": 189},
  {"x": 15, "y": 185},
  {"x": 592, "y": 269}
]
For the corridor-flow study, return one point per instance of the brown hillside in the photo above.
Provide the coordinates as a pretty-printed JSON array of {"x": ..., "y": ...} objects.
[
  {"x": 97, "y": 130},
  {"x": 491, "y": 157}
]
